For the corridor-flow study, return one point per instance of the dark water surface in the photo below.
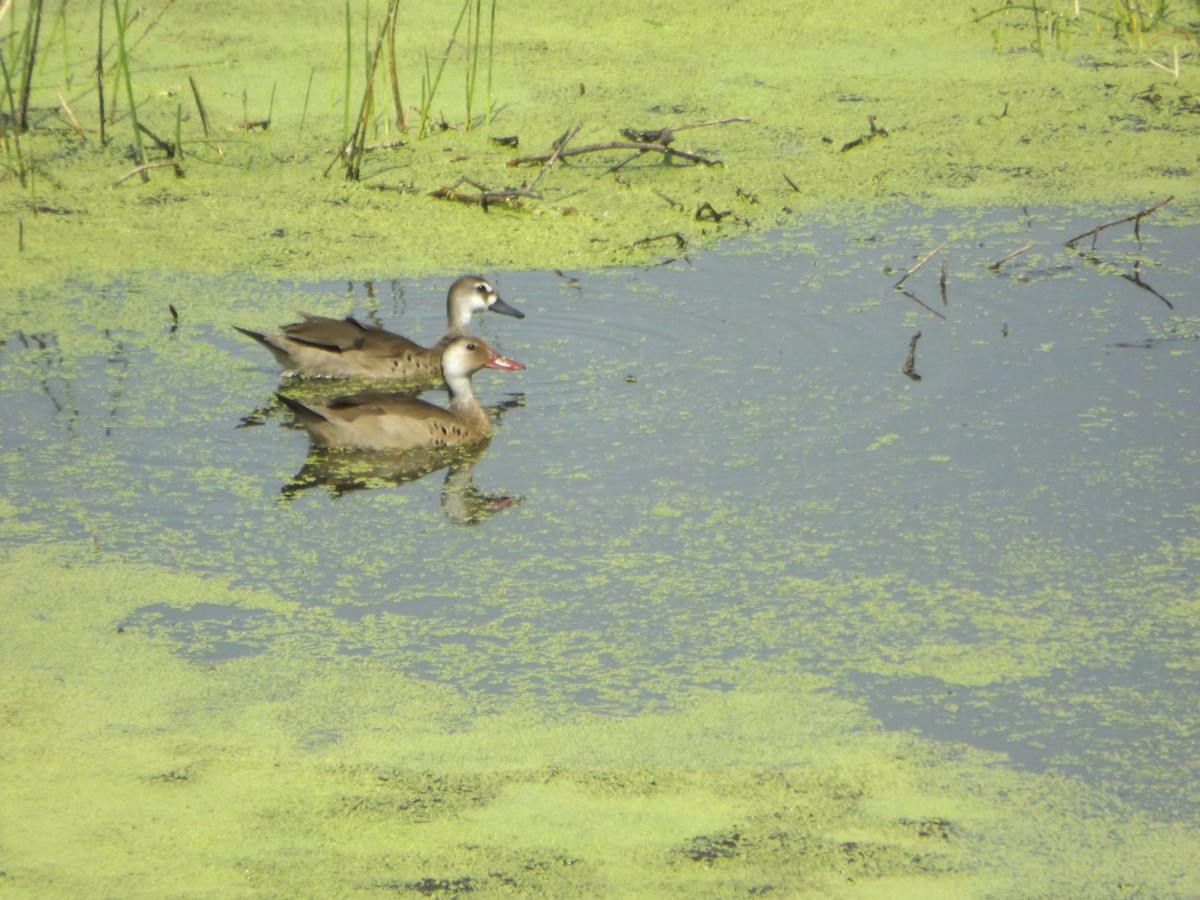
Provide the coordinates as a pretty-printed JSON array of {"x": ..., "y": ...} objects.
[{"x": 716, "y": 463}]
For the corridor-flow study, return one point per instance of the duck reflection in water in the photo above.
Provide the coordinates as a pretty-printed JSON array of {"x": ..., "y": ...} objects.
[
  {"x": 374, "y": 436},
  {"x": 345, "y": 471}
]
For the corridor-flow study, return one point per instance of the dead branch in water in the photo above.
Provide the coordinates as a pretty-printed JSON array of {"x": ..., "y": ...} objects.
[
  {"x": 680, "y": 240},
  {"x": 995, "y": 267},
  {"x": 875, "y": 132},
  {"x": 559, "y": 146},
  {"x": 145, "y": 167},
  {"x": 639, "y": 142},
  {"x": 1136, "y": 219},
  {"x": 485, "y": 197},
  {"x": 920, "y": 262},
  {"x": 910, "y": 364}
]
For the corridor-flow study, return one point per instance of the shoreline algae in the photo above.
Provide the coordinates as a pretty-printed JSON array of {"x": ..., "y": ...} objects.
[
  {"x": 279, "y": 774},
  {"x": 967, "y": 124}
]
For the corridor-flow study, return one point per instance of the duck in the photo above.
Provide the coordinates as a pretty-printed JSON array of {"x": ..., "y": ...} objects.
[
  {"x": 345, "y": 348},
  {"x": 375, "y": 420}
]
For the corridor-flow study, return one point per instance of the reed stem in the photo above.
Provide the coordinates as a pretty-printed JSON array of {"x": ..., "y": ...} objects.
[{"x": 123, "y": 62}]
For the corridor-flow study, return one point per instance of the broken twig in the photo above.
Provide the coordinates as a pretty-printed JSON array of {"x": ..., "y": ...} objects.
[
  {"x": 995, "y": 267},
  {"x": 485, "y": 197},
  {"x": 1136, "y": 219},
  {"x": 559, "y": 146},
  {"x": 920, "y": 262}
]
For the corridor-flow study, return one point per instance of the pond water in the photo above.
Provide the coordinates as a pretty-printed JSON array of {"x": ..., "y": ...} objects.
[{"x": 712, "y": 466}]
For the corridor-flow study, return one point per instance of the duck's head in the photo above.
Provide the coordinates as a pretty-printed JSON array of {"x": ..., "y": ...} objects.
[
  {"x": 464, "y": 356},
  {"x": 471, "y": 294}
]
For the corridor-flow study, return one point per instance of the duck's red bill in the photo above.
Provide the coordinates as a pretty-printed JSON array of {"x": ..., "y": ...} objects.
[{"x": 503, "y": 362}]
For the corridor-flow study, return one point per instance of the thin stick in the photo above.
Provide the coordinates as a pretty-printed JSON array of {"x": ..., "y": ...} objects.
[
  {"x": 123, "y": 57},
  {"x": 200, "y": 104},
  {"x": 144, "y": 167},
  {"x": 485, "y": 197},
  {"x": 401, "y": 125},
  {"x": 615, "y": 145},
  {"x": 911, "y": 296},
  {"x": 559, "y": 147},
  {"x": 1136, "y": 218},
  {"x": 100, "y": 73},
  {"x": 924, "y": 259},
  {"x": 995, "y": 267},
  {"x": 70, "y": 115},
  {"x": 31, "y": 58}
]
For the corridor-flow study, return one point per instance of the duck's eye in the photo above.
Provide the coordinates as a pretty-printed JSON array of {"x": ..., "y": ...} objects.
[
  {"x": 471, "y": 345},
  {"x": 483, "y": 287}
]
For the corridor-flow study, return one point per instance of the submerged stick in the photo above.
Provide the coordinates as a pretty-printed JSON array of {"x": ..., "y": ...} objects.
[
  {"x": 913, "y": 297},
  {"x": 910, "y": 364},
  {"x": 1136, "y": 219}
]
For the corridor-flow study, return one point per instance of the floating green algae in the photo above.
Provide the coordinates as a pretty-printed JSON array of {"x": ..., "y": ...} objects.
[
  {"x": 237, "y": 695},
  {"x": 279, "y": 775},
  {"x": 972, "y": 116}
]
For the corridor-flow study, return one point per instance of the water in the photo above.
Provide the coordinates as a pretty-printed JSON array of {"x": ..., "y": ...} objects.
[{"x": 709, "y": 465}]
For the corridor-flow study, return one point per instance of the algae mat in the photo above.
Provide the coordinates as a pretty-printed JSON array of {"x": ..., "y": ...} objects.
[
  {"x": 854, "y": 103},
  {"x": 283, "y": 757},
  {"x": 130, "y": 772}
]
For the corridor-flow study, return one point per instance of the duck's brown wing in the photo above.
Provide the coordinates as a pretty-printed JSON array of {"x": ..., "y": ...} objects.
[{"x": 336, "y": 335}]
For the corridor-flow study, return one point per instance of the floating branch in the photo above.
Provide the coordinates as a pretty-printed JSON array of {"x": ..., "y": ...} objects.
[
  {"x": 942, "y": 281},
  {"x": 995, "y": 267},
  {"x": 640, "y": 142},
  {"x": 145, "y": 167},
  {"x": 1136, "y": 219},
  {"x": 680, "y": 240},
  {"x": 667, "y": 135},
  {"x": 485, "y": 197},
  {"x": 639, "y": 148},
  {"x": 707, "y": 213},
  {"x": 875, "y": 132},
  {"x": 910, "y": 364},
  {"x": 791, "y": 183},
  {"x": 920, "y": 262}
]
